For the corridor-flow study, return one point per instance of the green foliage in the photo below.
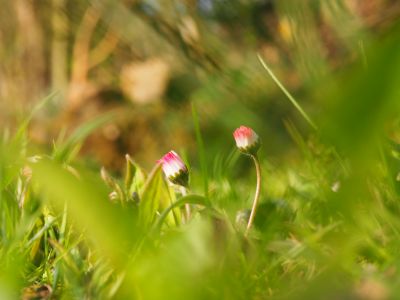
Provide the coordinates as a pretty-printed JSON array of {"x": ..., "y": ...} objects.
[{"x": 328, "y": 224}]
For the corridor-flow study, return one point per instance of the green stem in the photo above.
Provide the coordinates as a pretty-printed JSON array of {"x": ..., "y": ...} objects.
[
  {"x": 193, "y": 199},
  {"x": 184, "y": 193},
  {"x": 257, "y": 194}
]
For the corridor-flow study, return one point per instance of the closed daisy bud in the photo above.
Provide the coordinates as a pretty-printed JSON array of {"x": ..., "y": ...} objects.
[
  {"x": 247, "y": 140},
  {"x": 174, "y": 168}
]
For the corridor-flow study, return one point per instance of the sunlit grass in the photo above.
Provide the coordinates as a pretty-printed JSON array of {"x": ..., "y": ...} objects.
[{"x": 327, "y": 226}]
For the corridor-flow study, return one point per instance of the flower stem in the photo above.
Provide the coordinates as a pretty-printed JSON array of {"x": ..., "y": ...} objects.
[
  {"x": 257, "y": 194},
  {"x": 184, "y": 192}
]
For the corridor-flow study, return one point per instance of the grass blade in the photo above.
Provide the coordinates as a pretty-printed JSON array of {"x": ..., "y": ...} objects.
[
  {"x": 200, "y": 146},
  {"x": 285, "y": 91}
]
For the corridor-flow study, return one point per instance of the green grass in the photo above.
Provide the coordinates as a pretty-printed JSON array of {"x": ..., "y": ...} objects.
[{"x": 328, "y": 225}]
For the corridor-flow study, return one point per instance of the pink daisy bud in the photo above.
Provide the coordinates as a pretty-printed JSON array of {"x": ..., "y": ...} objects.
[
  {"x": 174, "y": 168},
  {"x": 247, "y": 140}
]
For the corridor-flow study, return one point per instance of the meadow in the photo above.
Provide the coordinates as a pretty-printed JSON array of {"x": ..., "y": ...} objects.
[{"x": 79, "y": 223}]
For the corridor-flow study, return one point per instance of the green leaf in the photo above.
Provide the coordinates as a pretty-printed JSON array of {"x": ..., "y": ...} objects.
[
  {"x": 129, "y": 172},
  {"x": 150, "y": 197},
  {"x": 135, "y": 177},
  {"x": 169, "y": 198}
]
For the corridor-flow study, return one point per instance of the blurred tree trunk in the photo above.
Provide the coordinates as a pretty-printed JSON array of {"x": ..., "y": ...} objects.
[
  {"x": 80, "y": 88},
  {"x": 22, "y": 65},
  {"x": 59, "y": 43},
  {"x": 30, "y": 61}
]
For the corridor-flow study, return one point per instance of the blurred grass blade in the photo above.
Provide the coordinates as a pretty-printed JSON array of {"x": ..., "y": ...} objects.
[
  {"x": 71, "y": 146},
  {"x": 24, "y": 124},
  {"x": 362, "y": 103},
  {"x": 201, "y": 150},
  {"x": 113, "y": 184},
  {"x": 89, "y": 207},
  {"x": 285, "y": 91}
]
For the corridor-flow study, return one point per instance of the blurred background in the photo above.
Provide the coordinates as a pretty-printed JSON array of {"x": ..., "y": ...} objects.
[
  {"x": 150, "y": 73},
  {"x": 149, "y": 61}
]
